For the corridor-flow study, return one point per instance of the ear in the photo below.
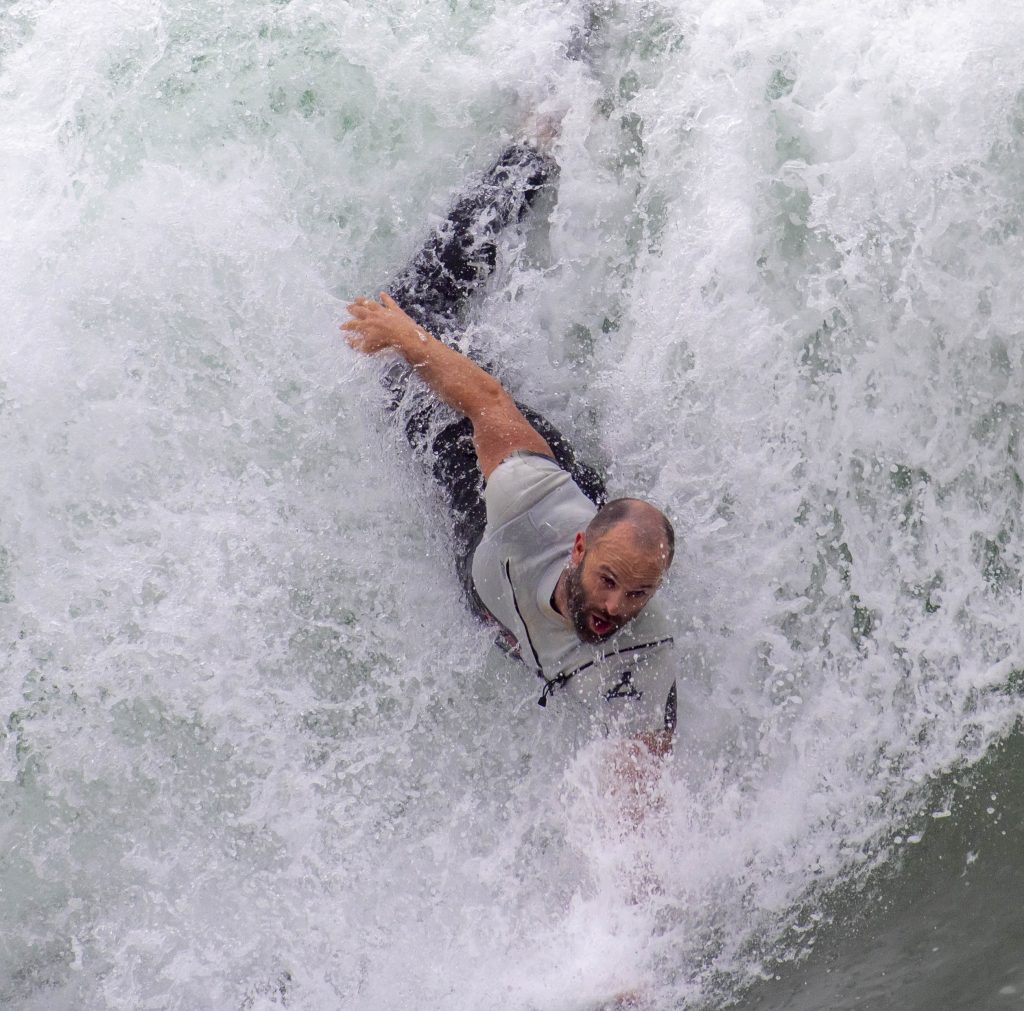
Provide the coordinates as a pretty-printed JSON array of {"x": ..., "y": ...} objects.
[{"x": 579, "y": 546}]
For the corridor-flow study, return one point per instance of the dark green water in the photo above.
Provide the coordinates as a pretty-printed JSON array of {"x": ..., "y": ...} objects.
[{"x": 944, "y": 931}]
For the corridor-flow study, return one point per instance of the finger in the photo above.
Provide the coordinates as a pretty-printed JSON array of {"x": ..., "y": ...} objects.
[
  {"x": 388, "y": 301},
  {"x": 361, "y": 329},
  {"x": 357, "y": 341}
]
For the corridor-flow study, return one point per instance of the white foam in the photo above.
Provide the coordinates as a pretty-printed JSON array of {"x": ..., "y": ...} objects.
[{"x": 252, "y": 745}]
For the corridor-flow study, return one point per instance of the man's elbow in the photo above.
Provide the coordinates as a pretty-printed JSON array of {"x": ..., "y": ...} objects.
[
  {"x": 493, "y": 410},
  {"x": 491, "y": 401},
  {"x": 657, "y": 742}
]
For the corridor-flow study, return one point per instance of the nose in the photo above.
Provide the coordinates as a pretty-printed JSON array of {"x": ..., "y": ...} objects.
[{"x": 613, "y": 601}]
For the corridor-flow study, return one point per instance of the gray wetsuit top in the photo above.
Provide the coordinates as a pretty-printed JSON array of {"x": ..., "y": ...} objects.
[{"x": 534, "y": 510}]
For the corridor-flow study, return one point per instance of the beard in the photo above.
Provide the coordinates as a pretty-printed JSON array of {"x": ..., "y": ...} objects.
[{"x": 580, "y": 609}]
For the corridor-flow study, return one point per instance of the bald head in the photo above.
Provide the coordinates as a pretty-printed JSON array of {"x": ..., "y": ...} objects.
[{"x": 648, "y": 526}]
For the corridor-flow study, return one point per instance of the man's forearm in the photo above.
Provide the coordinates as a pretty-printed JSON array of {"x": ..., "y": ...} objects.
[
  {"x": 456, "y": 379},
  {"x": 636, "y": 766}
]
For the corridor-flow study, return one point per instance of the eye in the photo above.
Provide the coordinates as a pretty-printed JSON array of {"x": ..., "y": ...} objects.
[
  {"x": 637, "y": 594},
  {"x": 608, "y": 582}
]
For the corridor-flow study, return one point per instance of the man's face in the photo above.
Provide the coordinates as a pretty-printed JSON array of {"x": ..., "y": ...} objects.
[{"x": 609, "y": 583}]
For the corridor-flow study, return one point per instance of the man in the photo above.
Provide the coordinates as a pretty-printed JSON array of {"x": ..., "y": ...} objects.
[{"x": 568, "y": 582}]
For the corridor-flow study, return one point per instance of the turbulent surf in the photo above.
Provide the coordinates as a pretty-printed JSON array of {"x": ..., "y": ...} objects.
[{"x": 253, "y": 753}]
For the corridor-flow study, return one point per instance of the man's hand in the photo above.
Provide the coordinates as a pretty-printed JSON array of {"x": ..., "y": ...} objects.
[
  {"x": 637, "y": 767},
  {"x": 376, "y": 326}
]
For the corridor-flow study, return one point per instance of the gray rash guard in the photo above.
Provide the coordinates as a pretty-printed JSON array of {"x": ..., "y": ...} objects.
[{"x": 534, "y": 510}]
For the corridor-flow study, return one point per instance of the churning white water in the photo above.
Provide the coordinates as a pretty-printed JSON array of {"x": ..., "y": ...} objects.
[{"x": 254, "y": 753}]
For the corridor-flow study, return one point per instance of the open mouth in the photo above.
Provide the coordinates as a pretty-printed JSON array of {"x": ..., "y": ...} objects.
[{"x": 599, "y": 625}]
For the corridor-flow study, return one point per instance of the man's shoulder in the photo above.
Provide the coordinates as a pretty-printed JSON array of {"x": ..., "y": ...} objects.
[
  {"x": 533, "y": 510},
  {"x": 524, "y": 480}
]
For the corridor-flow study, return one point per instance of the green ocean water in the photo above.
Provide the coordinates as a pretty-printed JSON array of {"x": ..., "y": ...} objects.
[
  {"x": 939, "y": 928},
  {"x": 252, "y": 752}
]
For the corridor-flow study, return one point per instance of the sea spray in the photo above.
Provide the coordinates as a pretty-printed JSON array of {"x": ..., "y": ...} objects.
[{"x": 253, "y": 750}]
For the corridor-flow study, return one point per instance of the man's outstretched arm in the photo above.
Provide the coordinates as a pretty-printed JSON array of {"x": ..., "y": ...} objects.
[{"x": 498, "y": 426}]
